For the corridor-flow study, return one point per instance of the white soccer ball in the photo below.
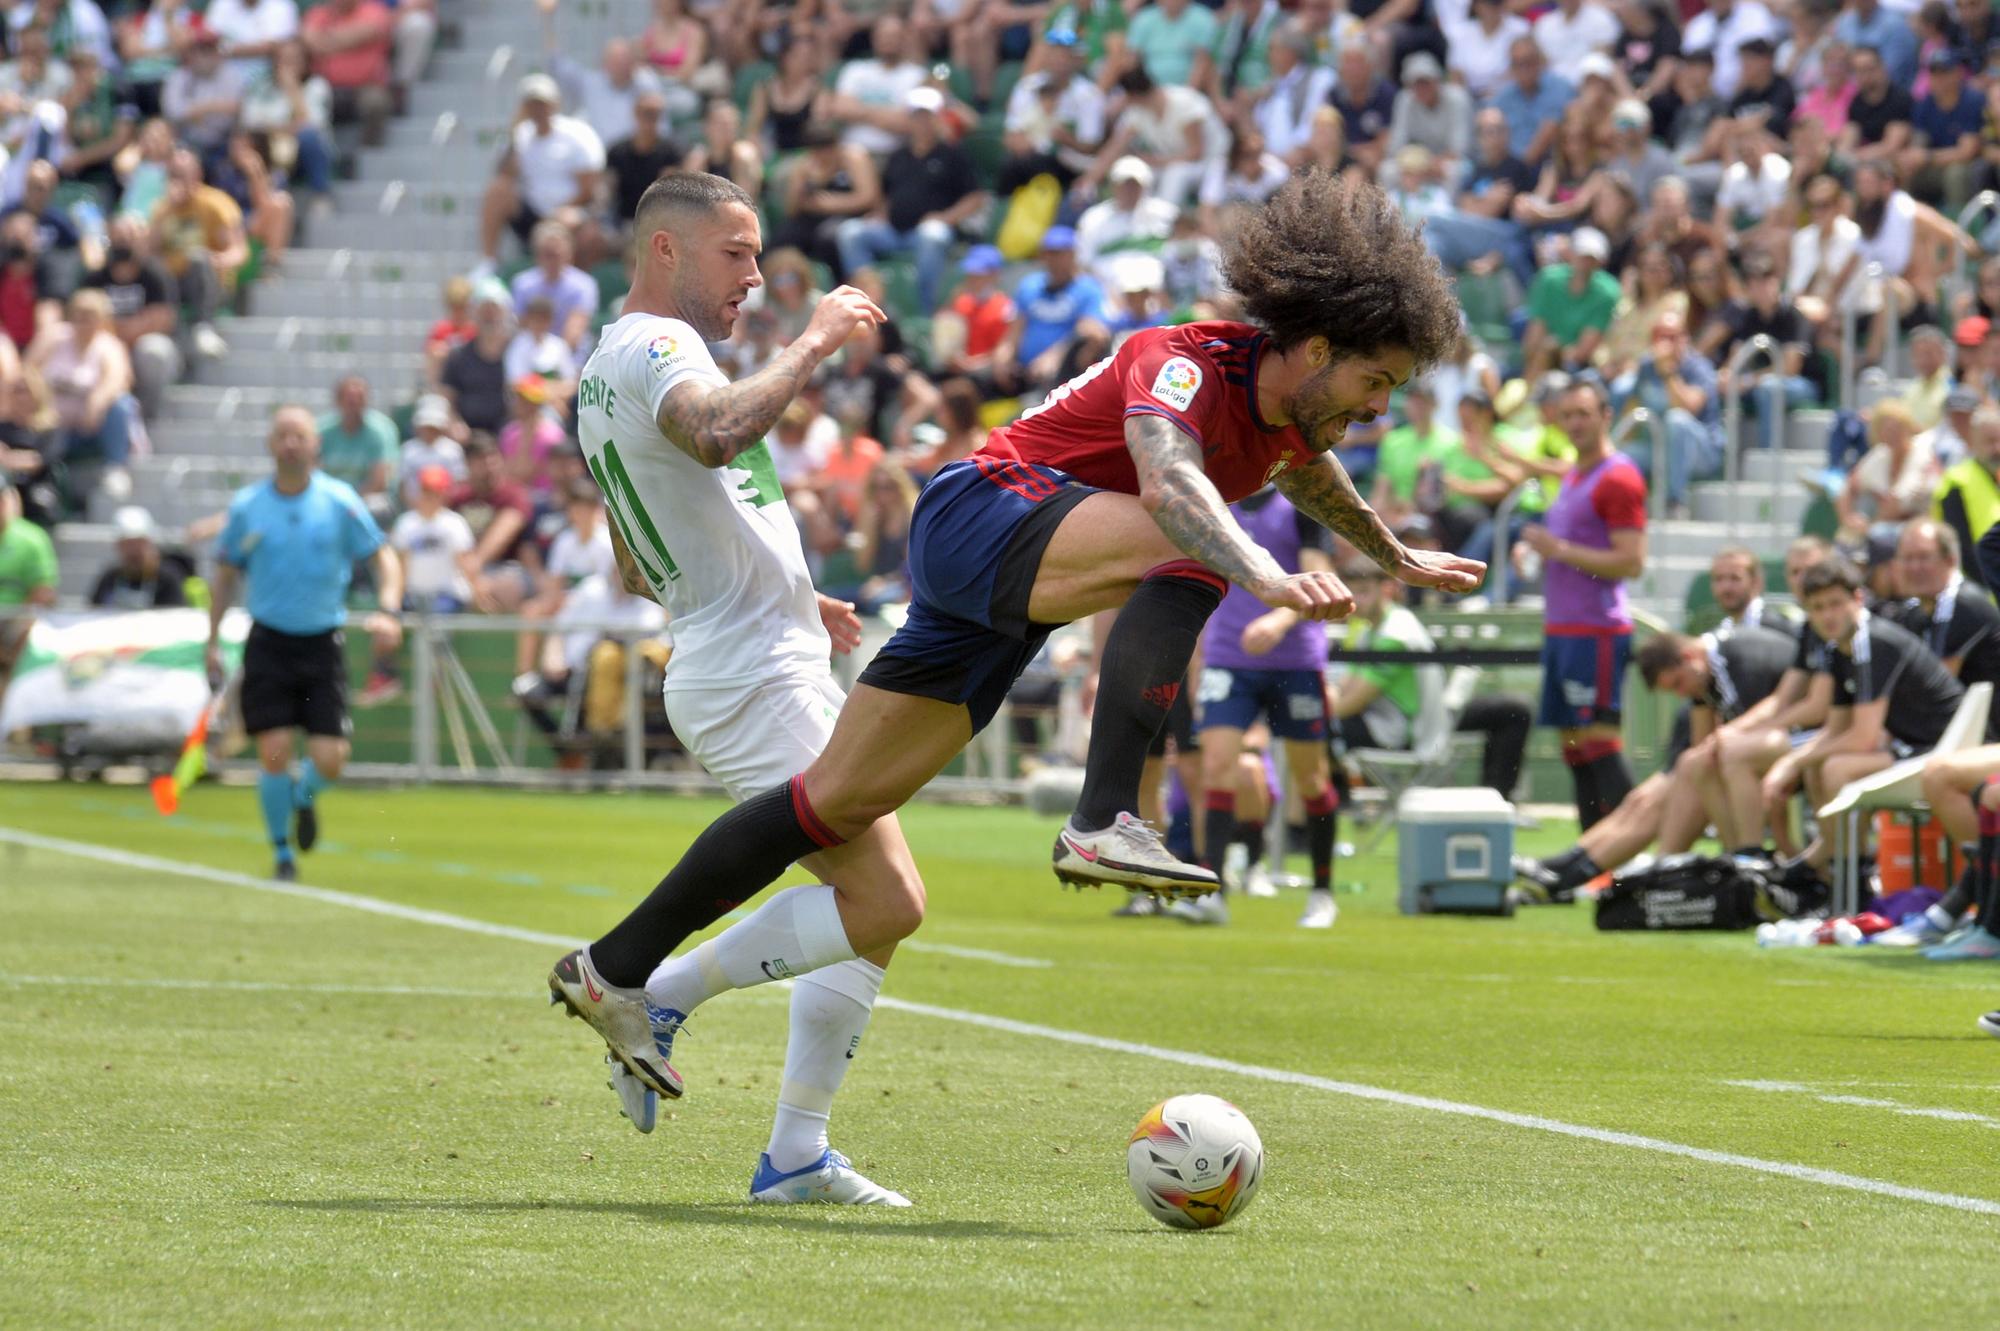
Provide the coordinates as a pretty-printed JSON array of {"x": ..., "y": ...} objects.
[{"x": 1194, "y": 1161}]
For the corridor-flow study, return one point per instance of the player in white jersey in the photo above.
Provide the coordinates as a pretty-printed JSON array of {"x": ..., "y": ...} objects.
[{"x": 749, "y": 691}]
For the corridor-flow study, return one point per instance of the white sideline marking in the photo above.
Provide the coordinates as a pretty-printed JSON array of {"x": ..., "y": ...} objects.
[
  {"x": 258, "y": 986},
  {"x": 1868, "y": 1102},
  {"x": 445, "y": 919},
  {"x": 1803, "y": 1173}
]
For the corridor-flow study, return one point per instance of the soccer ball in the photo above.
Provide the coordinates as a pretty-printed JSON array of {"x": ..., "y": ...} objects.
[{"x": 1194, "y": 1161}]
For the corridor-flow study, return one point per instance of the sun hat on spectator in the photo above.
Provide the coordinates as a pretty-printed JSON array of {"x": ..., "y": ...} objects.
[
  {"x": 1131, "y": 168},
  {"x": 1631, "y": 114},
  {"x": 492, "y": 291},
  {"x": 433, "y": 411},
  {"x": 1587, "y": 242},
  {"x": 134, "y": 523},
  {"x": 1139, "y": 272},
  {"x": 541, "y": 88},
  {"x": 1971, "y": 330},
  {"x": 924, "y": 98},
  {"x": 435, "y": 479},
  {"x": 1422, "y": 65},
  {"x": 1596, "y": 65},
  {"x": 982, "y": 259},
  {"x": 1059, "y": 238}
]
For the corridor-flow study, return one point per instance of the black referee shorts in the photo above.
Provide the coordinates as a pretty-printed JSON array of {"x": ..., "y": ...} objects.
[{"x": 293, "y": 681}]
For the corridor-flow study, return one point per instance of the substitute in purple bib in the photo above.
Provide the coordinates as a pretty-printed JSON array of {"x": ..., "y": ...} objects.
[{"x": 1595, "y": 538}]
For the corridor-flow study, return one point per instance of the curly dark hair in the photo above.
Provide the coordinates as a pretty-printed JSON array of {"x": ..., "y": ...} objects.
[{"x": 1331, "y": 257}]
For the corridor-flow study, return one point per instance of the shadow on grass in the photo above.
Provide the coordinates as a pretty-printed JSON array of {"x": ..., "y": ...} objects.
[{"x": 743, "y": 1215}]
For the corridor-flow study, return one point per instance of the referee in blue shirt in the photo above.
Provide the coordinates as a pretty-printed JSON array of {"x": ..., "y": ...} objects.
[{"x": 296, "y": 538}]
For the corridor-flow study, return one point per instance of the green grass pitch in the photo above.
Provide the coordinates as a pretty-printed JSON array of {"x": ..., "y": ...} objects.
[{"x": 224, "y": 1107}]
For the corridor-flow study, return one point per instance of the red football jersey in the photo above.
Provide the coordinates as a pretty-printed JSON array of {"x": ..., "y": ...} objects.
[{"x": 1200, "y": 376}]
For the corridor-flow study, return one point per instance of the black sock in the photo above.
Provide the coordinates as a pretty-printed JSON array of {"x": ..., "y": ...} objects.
[
  {"x": 1965, "y": 892},
  {"x": 1987, "y": 892},
  {"x": 1145, "y": 664},
  {"x": 1614, "y": 780},
  {"x": 1579, "y": 869},
  {"x": 1322, "y": 815},
  {"x": 1588, "y": 808},
  {"x": 738, "y": 856},
  {"x": 1252, "y": 837},
  {"x": 1218, "y": 827}
]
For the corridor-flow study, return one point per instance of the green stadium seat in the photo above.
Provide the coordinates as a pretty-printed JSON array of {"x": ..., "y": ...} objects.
[{"x": 747, "y": 79}]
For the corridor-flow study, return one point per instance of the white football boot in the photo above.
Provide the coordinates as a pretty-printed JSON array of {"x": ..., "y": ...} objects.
[
  {"x": 831, "y": 1178},
  {"x": 636, "y": 1100},
  {"x": 639, "y": 1034},
  {"x": 1129, "y": 853},
  {"x": 1320, "y": 911}
]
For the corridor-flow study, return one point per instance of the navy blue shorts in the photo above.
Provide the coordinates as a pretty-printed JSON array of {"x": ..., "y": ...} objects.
[
  {"x": 1292, "y": 701},
  {"x": 1583, "y": 679},
  {"x": 976, "y": 543}
]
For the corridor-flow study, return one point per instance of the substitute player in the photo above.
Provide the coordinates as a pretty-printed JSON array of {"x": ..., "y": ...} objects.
[
  {"x": 1257, "y": 660},
  {"x": 1595, "y": 538},
  {"x": 1113, "y": 491},
  {"x": 749, "y": 690},
  {"x": 295, "y": 538}
]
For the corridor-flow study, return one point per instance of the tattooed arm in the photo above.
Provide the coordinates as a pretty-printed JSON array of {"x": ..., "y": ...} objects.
[
  {"x": 1323, "y": 492},
  {"x": 713, "y": 424},
  {"x": 1188, "y": 507}
]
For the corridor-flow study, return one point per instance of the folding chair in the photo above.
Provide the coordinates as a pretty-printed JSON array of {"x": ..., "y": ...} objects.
[
  {"x": 1899, "y": 786},
  {"x": 1441, "y": 702}
]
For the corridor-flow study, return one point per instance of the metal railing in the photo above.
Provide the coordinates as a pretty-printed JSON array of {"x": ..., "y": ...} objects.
[
  {"x": 1960, "y": 279},
  {"x": 1500, "y": 578},
  {"x": 1887, "y": 309},
  {"x": 1656, "y": 427},
  {"x": 1732, "y": 415}
]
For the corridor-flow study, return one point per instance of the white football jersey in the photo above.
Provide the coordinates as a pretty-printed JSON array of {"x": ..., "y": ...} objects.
[{"x": 718, "y": 546}]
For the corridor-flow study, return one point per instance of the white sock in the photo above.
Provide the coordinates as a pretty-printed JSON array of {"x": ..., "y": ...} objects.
[
  {"x": 796, "y": 931},
  {"x": 830, "y": 1010}
]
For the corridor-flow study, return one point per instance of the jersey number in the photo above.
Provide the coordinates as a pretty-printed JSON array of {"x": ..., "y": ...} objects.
[{"x": 633, "y": 521}]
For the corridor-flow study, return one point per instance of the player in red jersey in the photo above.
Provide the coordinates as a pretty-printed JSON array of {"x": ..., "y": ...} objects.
[{"x": 1113, "y": 492}]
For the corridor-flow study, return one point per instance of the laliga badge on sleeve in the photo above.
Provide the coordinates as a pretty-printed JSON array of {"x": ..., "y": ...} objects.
[{"x": 1177, "y": 383}]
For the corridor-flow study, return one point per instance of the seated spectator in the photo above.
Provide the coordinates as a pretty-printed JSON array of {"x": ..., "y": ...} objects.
[
  {"x": 1130, "y": 220},
  {"x": 351, "y": 43},
  {"x": 1725, "y": 678},
  {"x": 140, "y": 577},
  {"x": 1366, "y": 102},
  {"x": 579, "y": 551},
  {"x": 1060, "y": 327},
  {"x": 1532, "y": 103},
  {"x": 28, "y": 578},
  {"x": 609, "y": 97},
  {"x": 251, "y": 33},
  {"x": 834, "y": 183},
  {"x": 1174, "y": 42},
  {"x": 960, "y": 432},
  {"x": 268, "y": 213},
  {"x": 1635, "y": 154},
  {"x": 150, "y": 40},
  {"x": 1055, "y": 118},
  {"x": 503, "y": 564},
  {"x": 198, "y": 233},
  {"x": 1375, "y": 706},
  {"x": 870, "y": 96},
  {"x": 532, "y": 435},
  {"x": 203, "y": 97},
  {"x": 881, "y": 538},
  {"x": 1763, "y": 100},
  {"x": 1878, "y": 119},
  {"x": 30, "y": 286},
  {"x": 1298, "y": 87},
  {"x": 1967, "y": 498},
  {"x": 571, "y": 292},
  {"x": 865, "y": 383},
  {"x": 474, "y": 374},
  {"x": 640, "y": 158},
  {"x": 1412, "y": 464},
  {"x": 1480, "y": 50},
  {"x": 29, "y": 446},
  {"x": 89, "y": 376},
  {"x": 1569, "y": 181},
  {"x": 452, "y": 330},
  {"x": 435, "y": 546},
  {"x": 1684, "y": 114},
  {"x": 1139, "y": 298},
  {"x": 1949, "y": 439},
  {"x": 1432, "y": 114},
  {"x": 1481, "y": 227},
  {"x": 143, "y": 309},
  {"x": 1930, "y": 376},
  {"x": 551, "y": 171},
  {"x": 968, "y": 331},
  {"x": 1172, "y": 128},
  {"x": 1654, "y": 290},
  {"x": 431, "y": 445},
  {"x": 800, "y": 442},
  {"x": 1570, "y": 306},
  {"x": 1248, "y": 175},
  {"x": 101, "y": 124},
  {"x": 754, "y": 345},
  {"x": 1676, "y": 384},
  {"x": 1823, "y": 279},
  {"x": 1892, "y": 696},
  {"x": 538, "y": 352},
  {"x": 1573, "y": 30},
  {"x": 593, "y": 661},
  {"x": 144, "y": 167},
  {"x": 57, "y": 237},
  {"x": 724, "y": 151},
  {"x": 783, "y": 107},
  {"x": 930, "y": 189},
  {"x": 1771, "y": 389},
  {"x": 358, "y": 445},
  {"x": 1191, "y": 262},
  {"x": 1952, "y": 616},
  {"x": 293, "y": 111},
  {"x": 1894, "y": 479}
]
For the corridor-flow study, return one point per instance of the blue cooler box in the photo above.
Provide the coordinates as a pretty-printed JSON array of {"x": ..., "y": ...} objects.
[{"x": 1454, "y": 852}]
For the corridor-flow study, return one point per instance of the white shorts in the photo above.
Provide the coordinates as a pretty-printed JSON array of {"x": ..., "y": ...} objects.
[{"x": 754, "y": 738}]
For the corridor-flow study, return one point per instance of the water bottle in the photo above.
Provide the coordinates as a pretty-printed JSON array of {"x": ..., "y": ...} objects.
[{"x": 89, "y": 219}]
